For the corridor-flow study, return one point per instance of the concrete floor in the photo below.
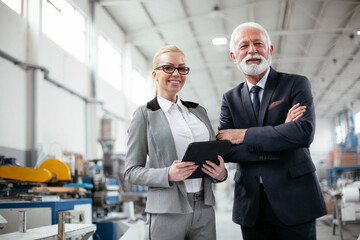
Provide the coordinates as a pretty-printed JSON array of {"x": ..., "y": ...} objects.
[{"x": 227, "y": 230}]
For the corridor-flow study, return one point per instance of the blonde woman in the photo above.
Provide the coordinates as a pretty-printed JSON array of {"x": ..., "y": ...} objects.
[{"x": 177, "y": 208}]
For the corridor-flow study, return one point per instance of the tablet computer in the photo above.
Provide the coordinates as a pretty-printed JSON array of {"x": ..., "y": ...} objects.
[{"x": 199, "y": 152}]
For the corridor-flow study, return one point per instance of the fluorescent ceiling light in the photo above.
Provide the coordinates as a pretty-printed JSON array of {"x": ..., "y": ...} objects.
[
  {"x": 358, "y": 33},
  {"x": 219, "y": 41}
]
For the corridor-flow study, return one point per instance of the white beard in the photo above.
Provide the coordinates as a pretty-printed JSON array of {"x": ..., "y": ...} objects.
[{"x": 253, "y": 69}]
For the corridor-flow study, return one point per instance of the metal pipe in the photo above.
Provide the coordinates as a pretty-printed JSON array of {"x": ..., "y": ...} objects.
[
  {"x": 93, "y": 48},
  {"x": 22, "y": 221},
  {"x": 33, "y": 116},
  {"x": 46, "y": 72},
  {"x": 61, "y": 225}
]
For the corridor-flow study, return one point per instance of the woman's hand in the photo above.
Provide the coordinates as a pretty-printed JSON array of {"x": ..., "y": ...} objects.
[
  {"x": 295, "y": 113},
  {"x": 180, "y": 171},
  {"x": 217, "y": 172}
]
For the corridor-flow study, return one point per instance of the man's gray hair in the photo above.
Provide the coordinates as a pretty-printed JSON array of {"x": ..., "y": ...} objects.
[{"x": 247, "y": 25}]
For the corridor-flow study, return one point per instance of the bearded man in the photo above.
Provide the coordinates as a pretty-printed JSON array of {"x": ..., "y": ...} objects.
[{"x": 277, "y": 194}]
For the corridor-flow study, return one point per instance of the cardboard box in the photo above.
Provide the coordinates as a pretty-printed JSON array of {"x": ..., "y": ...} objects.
[{"x": 346, "y": 160}]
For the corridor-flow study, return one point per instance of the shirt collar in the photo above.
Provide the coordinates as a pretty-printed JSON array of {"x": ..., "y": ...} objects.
[
  {"x": 166, "y": 104},
  {"x": 261, "y": 83}
]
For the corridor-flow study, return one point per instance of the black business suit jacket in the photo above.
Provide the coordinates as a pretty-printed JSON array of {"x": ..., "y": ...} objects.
[{"x": 274, "y": 150}]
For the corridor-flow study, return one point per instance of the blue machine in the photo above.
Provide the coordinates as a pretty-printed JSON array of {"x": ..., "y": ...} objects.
[
  {"x": 348, "y": 145},
  {"x": 54, "y": 205},
  {"x": 349, "y": 142}
]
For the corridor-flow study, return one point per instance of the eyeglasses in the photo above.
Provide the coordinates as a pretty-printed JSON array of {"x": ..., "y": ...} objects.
[{"x": 171, "y": 69}]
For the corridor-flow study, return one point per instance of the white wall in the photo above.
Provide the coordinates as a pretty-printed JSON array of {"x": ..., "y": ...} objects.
[
  {"x": 60, "y": 116},
  {"x": 12, "y": 80}
]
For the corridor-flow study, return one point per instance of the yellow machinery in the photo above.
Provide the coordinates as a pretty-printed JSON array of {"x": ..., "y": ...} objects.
[
  {"x": 42, "y": 174},
  {"x": 57, "y": 167}
]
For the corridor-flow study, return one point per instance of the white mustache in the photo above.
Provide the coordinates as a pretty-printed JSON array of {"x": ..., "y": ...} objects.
[{"x": 250, "y": 56}]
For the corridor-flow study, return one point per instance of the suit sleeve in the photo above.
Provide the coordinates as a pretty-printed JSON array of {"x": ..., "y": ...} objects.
[
  {"x": 137, "y": 151},
  {"x": 290, "y": 135},
  {"x": 240, "y": 153}
]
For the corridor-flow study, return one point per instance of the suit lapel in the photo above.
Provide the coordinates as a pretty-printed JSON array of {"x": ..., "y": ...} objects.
[
  {"x": 270, "y": 86},
  {"x": 161, "y": 133}
]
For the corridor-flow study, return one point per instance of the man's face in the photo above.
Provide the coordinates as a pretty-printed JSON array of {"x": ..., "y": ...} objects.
[{"x": 252, "y": 52}]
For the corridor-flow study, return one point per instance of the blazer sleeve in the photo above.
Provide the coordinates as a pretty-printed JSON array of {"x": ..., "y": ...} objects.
[
  {"x": 240, "y": 153},
  {"x": 225, "y": 121},
  {"x": 137, "y": 151},
  {"x": 290, "y": 135}
]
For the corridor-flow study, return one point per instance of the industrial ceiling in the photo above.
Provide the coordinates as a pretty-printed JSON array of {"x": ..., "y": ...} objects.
[{"x": 315, "y": 38}]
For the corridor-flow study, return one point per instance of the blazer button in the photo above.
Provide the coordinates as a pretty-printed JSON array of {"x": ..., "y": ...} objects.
[{"x": 256, "y": 178}]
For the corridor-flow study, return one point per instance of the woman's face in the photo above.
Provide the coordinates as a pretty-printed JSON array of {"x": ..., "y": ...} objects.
[{"x": 169, "y": 84}]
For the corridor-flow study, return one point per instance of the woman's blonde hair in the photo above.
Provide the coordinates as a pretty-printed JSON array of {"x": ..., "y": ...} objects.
[
  {"x": 165, "y": 49},
  {"x": 156, "y": 59}
]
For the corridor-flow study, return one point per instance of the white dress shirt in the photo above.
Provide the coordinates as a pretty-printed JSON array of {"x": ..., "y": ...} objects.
[
  {"x": 186, "y": 128},
  {"x": 261, "y": 84}
]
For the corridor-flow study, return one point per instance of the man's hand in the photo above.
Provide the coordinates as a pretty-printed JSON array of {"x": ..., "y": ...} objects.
[
  {"x": 180, "y": 171},
  {"x": 217, "y": 172},
  {"x": 235, "y": 136},
  {"x": 295, "y": 113}
]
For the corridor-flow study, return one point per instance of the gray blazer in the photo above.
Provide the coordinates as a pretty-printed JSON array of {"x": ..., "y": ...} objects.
[{"x": 150, "y": 134}]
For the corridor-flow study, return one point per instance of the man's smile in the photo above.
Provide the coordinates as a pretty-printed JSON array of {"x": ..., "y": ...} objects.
[{"x": 253, "y": 60}]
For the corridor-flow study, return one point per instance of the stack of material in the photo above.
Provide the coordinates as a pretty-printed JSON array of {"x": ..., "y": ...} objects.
[
  {"x": 350, "y": 207},
  {"x": 345, "y": 158}
]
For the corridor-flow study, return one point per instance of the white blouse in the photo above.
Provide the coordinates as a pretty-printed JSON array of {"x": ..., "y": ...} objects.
[{"x": 186, "y": 128}]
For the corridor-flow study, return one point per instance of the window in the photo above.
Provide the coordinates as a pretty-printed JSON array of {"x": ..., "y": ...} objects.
[
  {"x": 109, "y": 63},
  {"x": 357, "y": 123},
  {"x": 15, "y": 5},
  {"x": 339, "y": 134},
  {"x": 63, "y": 24},
  {"x": 140, "y": 88}
]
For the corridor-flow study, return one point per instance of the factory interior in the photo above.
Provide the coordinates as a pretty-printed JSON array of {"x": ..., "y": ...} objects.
[{"x": 72, "y": 73}]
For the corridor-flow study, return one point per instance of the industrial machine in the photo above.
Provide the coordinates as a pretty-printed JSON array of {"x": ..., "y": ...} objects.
[
  {"x": 115, "y": 201},
  {"x": 27, "y": 193},
  {"x": 343, "y": 175},
  {"x": 94, "y": 192}
]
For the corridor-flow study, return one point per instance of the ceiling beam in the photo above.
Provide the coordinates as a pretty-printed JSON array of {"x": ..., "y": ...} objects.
[
  {"x": 345, "y": 65},
  {"x": 222, "y": 11},
  {"x": 285, "y": 25},
  {"x": 189, "y": 18},
  {"x": 339, "y": 99},
  {"x": 348, "y": 20},
  {"x": 341, "y": 70},
  {"x": 119, "y": 2},
  {"x": 201, "y": 51},
  {"x": 271, "y": 33},
  {"x": 310, "y": 38},
  {"x": 153, "y": 22}
]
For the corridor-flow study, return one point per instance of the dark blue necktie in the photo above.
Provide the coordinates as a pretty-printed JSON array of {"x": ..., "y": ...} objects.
[{"x": 256, "y": 100}]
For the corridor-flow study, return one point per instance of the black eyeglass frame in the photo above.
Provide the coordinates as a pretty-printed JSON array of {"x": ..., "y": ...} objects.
[{"x": 187, "y": 69}]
